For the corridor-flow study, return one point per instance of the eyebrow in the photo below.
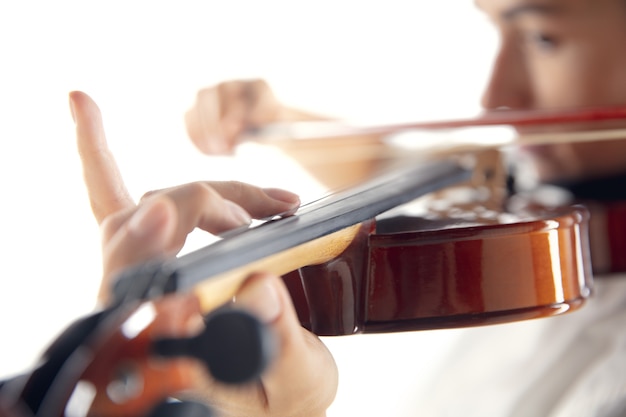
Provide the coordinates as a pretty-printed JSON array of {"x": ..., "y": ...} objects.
[{"x": 523, "y": 9}]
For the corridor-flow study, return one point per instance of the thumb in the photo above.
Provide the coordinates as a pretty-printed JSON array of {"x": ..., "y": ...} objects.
[
  {"x": 145, "y": 235},
  {"x": 304, "y": 369}
]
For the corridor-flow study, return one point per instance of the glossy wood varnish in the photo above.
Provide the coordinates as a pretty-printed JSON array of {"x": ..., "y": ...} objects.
[
  {"x": 608, "y": 236},
  {"x": 452, "y": 277}
]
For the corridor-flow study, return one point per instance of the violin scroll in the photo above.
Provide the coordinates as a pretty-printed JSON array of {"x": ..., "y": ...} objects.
[{"x": 131, "y": 360}]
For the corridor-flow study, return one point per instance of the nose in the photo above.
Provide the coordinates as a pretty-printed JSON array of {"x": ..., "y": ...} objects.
[{"x": 509, "y": 84}]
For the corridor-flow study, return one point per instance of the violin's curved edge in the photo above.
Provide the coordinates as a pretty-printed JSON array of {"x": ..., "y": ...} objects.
[{"x": 477, "y": 319}]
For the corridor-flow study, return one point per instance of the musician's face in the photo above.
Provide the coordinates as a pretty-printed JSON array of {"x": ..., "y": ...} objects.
[{"x": 561, "y": 53}]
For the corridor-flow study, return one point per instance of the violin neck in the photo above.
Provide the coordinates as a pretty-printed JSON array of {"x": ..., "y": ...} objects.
[
  {"x": 219, "y": 289},
  {"x": 291, "y": 242}
]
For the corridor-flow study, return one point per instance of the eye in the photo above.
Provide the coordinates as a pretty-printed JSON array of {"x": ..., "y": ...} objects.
[{"x": 542, "y": 41}]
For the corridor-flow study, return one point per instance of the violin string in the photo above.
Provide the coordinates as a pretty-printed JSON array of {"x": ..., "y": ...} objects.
[{"x": 304, "y": 207}]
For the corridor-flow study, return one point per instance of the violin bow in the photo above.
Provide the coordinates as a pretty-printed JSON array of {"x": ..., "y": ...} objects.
[{"x": 321, "y": 129}]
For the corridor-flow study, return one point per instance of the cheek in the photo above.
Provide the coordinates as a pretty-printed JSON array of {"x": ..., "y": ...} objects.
[
  {"x": 569, "y": 84},
  {"x": 592, "y": 76}
]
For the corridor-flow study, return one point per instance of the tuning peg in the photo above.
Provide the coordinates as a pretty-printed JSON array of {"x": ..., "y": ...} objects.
[{"x": 234, "y": 346}]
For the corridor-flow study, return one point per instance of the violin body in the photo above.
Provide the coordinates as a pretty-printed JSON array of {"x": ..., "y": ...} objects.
[
  {"x": 415, "y": 277},
  {"x": 607, "y": 237}
]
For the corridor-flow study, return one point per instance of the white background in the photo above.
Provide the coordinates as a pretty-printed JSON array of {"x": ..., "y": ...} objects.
[{"x": 143, "y": 61}]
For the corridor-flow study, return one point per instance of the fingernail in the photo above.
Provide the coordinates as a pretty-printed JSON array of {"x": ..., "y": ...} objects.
[
  {"x": 261, "y": 299},
  {"x": 238, "y": 214},
  {"x": 72, "y": 109},
  {"x": 282, "y": 195},
  {"x": 150, "y": 216}
]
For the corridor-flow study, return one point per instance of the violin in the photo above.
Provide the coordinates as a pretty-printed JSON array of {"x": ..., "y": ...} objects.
[
  {"x": 353, "y": 264},
  {"x": 377, "y": 271}
]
